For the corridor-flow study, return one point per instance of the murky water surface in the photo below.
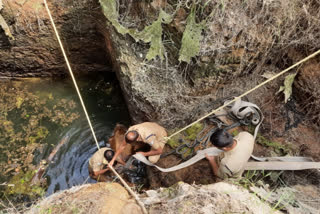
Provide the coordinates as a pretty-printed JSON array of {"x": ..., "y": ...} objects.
[{"x": 37, "y": 114}]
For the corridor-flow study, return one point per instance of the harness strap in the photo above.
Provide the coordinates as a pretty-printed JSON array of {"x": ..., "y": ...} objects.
[
  {"x": 284, "y": 159},
  {"x": 280, "y": 165},
  {"x": 243, "y": 110},
  {"x": 248, "y": 113},
  {"x": 286, "y": 163},
  {"x": 200, "y": 155}
]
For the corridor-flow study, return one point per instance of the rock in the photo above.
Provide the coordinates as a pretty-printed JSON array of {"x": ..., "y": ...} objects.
[
  {"x": 295, "y": 199},
  {"x": 214, "y": 198},
  {"x": 35, "y": 51},
  {"x": 103, "y": 198},
  {"x": 306, "y": 91}
]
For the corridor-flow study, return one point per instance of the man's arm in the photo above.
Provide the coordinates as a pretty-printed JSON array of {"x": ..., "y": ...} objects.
[
  {"x": 118, "y": 152},
  {"x": 213, "y": 164},
  {"x": 96, "y": 173},
  {"x": 152, "y": 152},
  {"x": 121, "y": 161}
]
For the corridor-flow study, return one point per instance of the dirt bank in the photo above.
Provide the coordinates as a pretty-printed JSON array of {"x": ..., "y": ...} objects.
[
  {"x": 91, "y": 198},
  {"x": 171, "y": 70},
  {"x": 221, "y": 197},
  {"x": 35, "y": 51}
]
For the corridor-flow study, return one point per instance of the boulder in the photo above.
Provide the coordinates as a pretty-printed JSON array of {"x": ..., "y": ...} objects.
[
  {"x": 101, "y": 198},
  {"x": 207, "y": 199}
]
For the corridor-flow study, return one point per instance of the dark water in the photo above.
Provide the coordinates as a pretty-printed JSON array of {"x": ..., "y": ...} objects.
[
  {"x": 106, "y": 108},
  {"x": 70, "y": 165}
]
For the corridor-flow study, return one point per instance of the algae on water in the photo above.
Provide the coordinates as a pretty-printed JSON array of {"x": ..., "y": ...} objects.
[
  {"x": 21, "y": 184},
  {"x": 26, "y": 118}
]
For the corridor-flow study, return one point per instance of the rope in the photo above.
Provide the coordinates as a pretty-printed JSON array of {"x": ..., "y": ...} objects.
[
  {"x": 71, "y": 73},
  {"x": 130, "y": 190},
  {"x": 247, "y": 92},
  {"x": 84, "y": 108}
]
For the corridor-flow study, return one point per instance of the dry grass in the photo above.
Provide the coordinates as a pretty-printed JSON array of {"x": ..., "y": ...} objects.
[
  {"x": 262, "y": 32},
  {"x": 242, "y": 39}
]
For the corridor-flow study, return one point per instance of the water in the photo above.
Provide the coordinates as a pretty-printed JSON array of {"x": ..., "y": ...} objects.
[{"x": 105, "y": 106}]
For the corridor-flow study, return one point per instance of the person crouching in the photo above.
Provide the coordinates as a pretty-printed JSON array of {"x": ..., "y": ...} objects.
[
  {"x": 149, "y": 133},
  {"x": 99, "y": 161},
  {"x": 237, "y": 151}
]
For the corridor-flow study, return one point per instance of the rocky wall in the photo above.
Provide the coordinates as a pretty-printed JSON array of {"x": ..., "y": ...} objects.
[
  {"x": 175, "y": 58},
  {"x": 34, "y": 51}
]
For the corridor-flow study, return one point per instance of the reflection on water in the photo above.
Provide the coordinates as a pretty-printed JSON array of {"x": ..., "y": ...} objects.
[{"x": 69, "y": 167}]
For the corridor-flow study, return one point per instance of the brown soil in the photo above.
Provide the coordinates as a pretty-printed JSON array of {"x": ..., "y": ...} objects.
[
  {"x": 199, "y": 173},
  {"x": 307, "y": 91}
]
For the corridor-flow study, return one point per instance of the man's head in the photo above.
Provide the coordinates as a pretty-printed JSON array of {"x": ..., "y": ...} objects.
[
  {"x": 108, "y": 155},
  {"x": 221, "y": 139},
  {"x": 131, "y": 136}
]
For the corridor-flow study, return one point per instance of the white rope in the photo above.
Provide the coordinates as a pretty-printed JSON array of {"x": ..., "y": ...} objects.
[
  {"x": 71, "y": 73},
  {"x": 247, "y": 92},
  {"x": 85, "y": 111}
]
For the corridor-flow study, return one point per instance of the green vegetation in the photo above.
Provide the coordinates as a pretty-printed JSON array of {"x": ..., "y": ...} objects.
[
  {"x": 189, "y": 135},
  {"x": 153, "y": 33},
  {"x": 21, "y": 184},
  {"x": 41, "y": 134},
  {"x": 109, "y": 8},
  {"x": 26, "y": 116},
  {"x": 235, "y": 133},
  {"x": 191, "y": 38},
  {"x": 287, "y": 88},
  {"x": 171, "y": 191},
  {"x": 252, "y": 178},
  {"x": 193, "y": 131},
  {"x": 279, "y": 148},
  {"x": 174, "y": 142}
]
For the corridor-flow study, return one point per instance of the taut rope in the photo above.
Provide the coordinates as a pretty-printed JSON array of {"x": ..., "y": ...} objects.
[
  {"x": 247, "y": 92},
  {"x": 85, "y": 110}
]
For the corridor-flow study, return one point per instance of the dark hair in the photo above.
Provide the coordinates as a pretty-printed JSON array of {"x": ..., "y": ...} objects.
[
  {"x": 131, "y": 136},
  {"x": 108, "y": 154},
  {"x": 221, "y": 138}
]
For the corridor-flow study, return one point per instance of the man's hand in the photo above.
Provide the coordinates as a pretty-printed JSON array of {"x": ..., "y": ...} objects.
[
  {"x": 209, "y": 158},
  {"x": 151, "y": 152},
  {"x": 121, "y": 161},
  {"x": 213, "y": 164},
  {"x": 122, "y": 147},
  {"x": 111, "y": 163}
]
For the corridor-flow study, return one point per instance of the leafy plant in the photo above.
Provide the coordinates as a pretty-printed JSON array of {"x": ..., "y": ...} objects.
[
  {"x": 287, "y": 87},
  {"x": 191, "y": 38},
  {"x": 4, "y": 25}
]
